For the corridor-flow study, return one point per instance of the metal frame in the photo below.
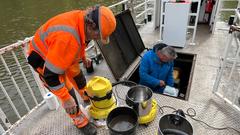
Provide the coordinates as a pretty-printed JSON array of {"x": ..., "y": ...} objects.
[{"x": 188, "y": 27}]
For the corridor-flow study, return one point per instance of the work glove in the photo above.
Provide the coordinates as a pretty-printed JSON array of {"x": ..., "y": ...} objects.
[{"x": 70, "y": 106}]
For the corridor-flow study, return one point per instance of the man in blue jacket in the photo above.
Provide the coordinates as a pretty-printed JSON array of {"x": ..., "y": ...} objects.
[{"x": 156, "y": 67}]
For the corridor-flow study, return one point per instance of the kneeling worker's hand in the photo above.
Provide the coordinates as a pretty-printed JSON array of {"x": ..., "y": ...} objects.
[{"x": 162, "y": 83}]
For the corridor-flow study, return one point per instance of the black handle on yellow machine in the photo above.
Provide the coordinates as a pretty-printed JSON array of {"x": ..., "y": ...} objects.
[{"x": 95, "y": 98}]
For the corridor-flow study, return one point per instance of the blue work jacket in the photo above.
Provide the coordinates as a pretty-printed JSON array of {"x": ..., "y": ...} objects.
[{"x": 152, "y": 70}]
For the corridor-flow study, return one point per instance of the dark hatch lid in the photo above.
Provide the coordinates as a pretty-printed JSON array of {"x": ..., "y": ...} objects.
[{"x": 125, "y": 45}]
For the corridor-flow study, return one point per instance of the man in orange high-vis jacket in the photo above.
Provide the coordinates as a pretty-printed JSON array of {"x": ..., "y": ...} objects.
[{"x": 56, "y": 49}]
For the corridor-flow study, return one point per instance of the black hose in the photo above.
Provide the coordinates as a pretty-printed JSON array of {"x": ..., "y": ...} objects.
[{"x": 126, "y": 83}]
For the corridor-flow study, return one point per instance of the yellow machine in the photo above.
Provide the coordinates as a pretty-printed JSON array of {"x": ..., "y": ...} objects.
[
  {"x": 151, "y": 115},
  {"x": 99, "y": 90}
]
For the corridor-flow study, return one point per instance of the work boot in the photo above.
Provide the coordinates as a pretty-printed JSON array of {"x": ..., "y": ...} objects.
[
  {"x": 82, "y": 123},
  {"x": 89, "y": 129}
]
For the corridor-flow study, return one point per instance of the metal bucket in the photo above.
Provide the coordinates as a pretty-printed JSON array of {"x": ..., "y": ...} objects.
[
  {"x": 174, "y": 124},
  {"x": 122, "y": 121},
  {"x": 140, "y": 99}
]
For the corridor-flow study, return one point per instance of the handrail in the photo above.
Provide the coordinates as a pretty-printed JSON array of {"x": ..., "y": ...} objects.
[
  {"x": 143, "y": 12},
  {"x": 139, "y": 5},
  {"x": 227, "y": 9},
  {"x": 15, "y": 45}
]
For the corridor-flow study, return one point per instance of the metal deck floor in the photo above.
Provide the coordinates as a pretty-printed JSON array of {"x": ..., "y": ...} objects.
[{"x": 209, "y": 108}]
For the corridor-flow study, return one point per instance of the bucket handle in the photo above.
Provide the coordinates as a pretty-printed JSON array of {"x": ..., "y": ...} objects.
[{"x": 144, "y": 104}]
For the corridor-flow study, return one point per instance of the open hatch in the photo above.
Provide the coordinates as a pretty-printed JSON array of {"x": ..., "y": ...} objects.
[{"x": 123, "y": 56}]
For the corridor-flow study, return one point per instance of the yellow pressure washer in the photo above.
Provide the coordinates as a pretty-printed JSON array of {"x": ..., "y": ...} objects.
[{"x": 99, "y": 90}]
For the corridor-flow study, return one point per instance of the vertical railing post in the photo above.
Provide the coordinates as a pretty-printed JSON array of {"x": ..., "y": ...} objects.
[
  {"x": 131, "y": 6},
  {"x": 218, "y": 2},
  {"x": 195, "y": 23},
  {"x": 157, "y": 13},
  {"x": 145, "y": 11},
  {"x": 125, "y": 5},
  {"x": 161, "y": 19}
]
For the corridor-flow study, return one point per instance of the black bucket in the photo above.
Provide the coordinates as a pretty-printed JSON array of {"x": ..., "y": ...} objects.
[
  {"x": 174, "y": 124},
  {"x": 90, "y": 68},
  {"x": 149, "y": 17},
  {"x": 122, "y": 121},
  {"x": 231, "y": 20}
]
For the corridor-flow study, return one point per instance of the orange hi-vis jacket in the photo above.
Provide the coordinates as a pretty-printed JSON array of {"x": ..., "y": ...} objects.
[{"x": 61, "y": 43}]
